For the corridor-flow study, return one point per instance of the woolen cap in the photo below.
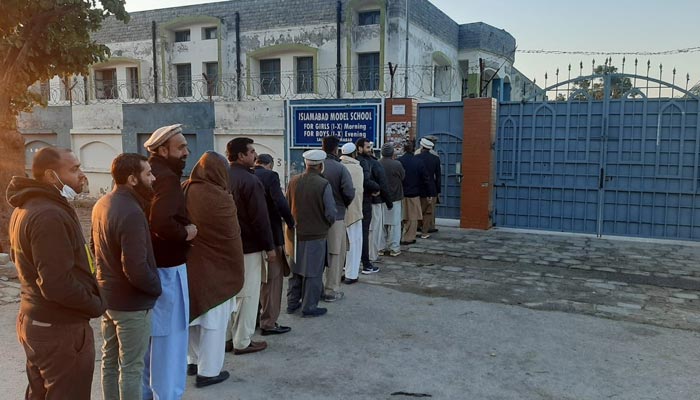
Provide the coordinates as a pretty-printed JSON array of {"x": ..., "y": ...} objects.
[
  {"x": 314, "y": 157},
  {"x": 427, "y": 144},
  {"x": 161, "y": 135},
  {"x": 387, "y": 150},
  {"x": 348, "y": 148}
]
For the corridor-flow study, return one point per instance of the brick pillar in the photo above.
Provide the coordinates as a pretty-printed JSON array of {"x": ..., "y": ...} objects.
[
  {"x": 400, "y": 126},
  {"x": 478, "y": 162}
]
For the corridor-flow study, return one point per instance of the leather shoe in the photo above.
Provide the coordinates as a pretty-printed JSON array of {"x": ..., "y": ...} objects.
[
  {"x": 203, "y": 381},
  {"x": 349, "y": 281},
  {"x": 277, "y": 330},
  {"x": 407, "y": 243},
  {"x": 316, "y": 312},
  {"x": 191, "y": 369},
  {"x": 253, "y": 347},
  {"x": 229, "y": 346},
  {"x": 432, "y": 230}
]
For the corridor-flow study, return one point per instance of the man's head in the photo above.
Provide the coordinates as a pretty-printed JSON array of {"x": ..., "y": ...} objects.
[
  {"x": 388, "y": 150},
  {"x": 265, "y": 160},
  {"x": 426, "y": 144},
  {"x": 241, "y": 151},
  {"x": 133, "y": 170},
  {"x": 330, "y": 145},
  {"x": 348, "y": 149},
  {"x": 58, "y": 166},
  {"x": 364, "y": 146},
  {"x": 314, "y": 159},
  {"x": 168, "y": 142},
  {"x": 409, "y": 147}
]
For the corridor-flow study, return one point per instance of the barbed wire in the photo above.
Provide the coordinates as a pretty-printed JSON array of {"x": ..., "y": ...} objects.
[{"x": 611, "y": 53}]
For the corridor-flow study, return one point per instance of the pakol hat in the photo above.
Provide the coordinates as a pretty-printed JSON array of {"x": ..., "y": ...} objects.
[
  {"x": 314, "y": 157},
  {"x": 427, "y": 144},
  {"x": 348, "y": 148},
  {"x": 161, "y": 135}
]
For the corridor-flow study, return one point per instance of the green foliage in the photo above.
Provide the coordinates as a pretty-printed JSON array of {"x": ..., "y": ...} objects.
[
  {"x": 595, "y": 87},
  {"x": 40, "y": 39}
]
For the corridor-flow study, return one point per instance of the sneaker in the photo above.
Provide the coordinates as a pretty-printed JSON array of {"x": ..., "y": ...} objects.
[
  {"x": 395, "y": 253},
  {"x": 335, "y": 296},
  {"x": 371, "y": 269},
  {"x": 424, "y": 235}
]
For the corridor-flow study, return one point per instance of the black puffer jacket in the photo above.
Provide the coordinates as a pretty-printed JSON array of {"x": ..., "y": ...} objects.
[{"x": 53, "y": 261}]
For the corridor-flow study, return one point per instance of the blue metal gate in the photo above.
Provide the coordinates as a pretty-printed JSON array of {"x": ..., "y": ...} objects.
[
  {"x": 444, "y": 121},
  {"x": 608, "y": 156}
]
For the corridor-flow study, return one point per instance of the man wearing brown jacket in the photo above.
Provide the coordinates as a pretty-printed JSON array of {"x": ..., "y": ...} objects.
[{"x": 55, "y": 268}]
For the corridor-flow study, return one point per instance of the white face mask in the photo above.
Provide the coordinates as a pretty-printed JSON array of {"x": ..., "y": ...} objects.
[{"x": 67, "y": 192}]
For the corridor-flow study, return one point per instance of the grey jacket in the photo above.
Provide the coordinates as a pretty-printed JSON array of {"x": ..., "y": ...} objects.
[
  {"x": 341, "y": 184},
  {"x": 394, "y": 177}
]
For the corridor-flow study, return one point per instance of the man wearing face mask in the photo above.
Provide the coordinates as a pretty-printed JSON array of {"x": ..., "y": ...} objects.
[
  {"x": 171, "y": 231},
  {"x": 126, "y": 273},
  {"x": 55, "y": 269}
]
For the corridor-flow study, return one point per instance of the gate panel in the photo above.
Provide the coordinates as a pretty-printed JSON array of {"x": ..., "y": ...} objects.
[
  {"x": 547, "y": 166},
  {"x": 445, "y": 121},
  {"x": 651, "y": 174}
]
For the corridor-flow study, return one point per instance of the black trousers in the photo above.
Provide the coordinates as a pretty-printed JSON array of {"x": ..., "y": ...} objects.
[
  {"x": 305, "y": 290},
  {"x": 366, "y": 221}
]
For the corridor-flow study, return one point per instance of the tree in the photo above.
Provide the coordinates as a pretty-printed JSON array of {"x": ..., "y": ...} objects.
[
  {"x": 596, "y": 87},
  {"x": 40, "y": 39}
]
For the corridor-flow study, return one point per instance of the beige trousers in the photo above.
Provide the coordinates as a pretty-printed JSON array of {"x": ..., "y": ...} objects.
[
  {"x": 337, "y": 248},
  {"x": 242, "y": 323}
]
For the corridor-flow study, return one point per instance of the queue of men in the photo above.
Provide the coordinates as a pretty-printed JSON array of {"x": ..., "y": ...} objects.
[{"x": 181, "y": 273}]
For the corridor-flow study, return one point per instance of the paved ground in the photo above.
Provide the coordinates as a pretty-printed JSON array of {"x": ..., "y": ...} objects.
[{"x": 467, "y": 315}]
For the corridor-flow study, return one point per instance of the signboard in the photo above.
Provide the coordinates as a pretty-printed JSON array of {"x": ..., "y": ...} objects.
[{"x": 310, "y": 123}]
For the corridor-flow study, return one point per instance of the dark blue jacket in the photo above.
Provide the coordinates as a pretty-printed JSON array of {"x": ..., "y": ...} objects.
[
  {"x": 432, "y": 167},
  {"x": 416, "y": 180},
  {"x": 375, "y": 180},
  {"x": 277, "y": 206}
]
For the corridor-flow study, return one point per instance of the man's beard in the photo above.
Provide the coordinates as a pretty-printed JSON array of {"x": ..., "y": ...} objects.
[
  {"x": 145, "y": 191},
  {"x": 177, "y": 164}
]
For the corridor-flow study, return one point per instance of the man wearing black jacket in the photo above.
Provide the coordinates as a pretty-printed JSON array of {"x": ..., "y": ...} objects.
[
  {"x": 55, "y": 269},
  {"x": 249, "y": 194},
  {"x": 374, "y": 188},
  {"x": 126, "y": 273},
  {"x": 171, "y": 231},
  {"x": 429, "y": 197},
  {"x": 415, "y": 182},
  {"x": 277, "y": 209}
]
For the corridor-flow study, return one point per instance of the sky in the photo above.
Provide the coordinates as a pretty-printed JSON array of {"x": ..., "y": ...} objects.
[{"x": 571, "y": 25}]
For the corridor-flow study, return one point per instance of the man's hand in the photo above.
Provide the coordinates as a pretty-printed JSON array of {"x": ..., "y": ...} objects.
[
  {"x": 191, "y": 232},
  {"x": 271, "y": 256}
]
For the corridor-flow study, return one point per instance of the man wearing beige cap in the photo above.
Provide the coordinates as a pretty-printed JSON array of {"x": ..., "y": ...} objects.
[
  {"x": 313, "y": 207},
  {"x": 353, "y": 214},
  {"x": 171, "y": 231}
]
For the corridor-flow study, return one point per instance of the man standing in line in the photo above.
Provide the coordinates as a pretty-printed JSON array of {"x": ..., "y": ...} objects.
[
  {"x": 353, "y": 215},
  {"x": 126, "y": 274},
  {"x": 414, "y": 183},
  {"x": 343, "y": 192},
  {"x": 171, "y": 231},
  {"x": 374, "y": 186},
  {"x": 214, "y": 267},
  {"x": 428, "y": 198},
  {"x": 249, "y": 194},
  {"x": 313, "y": 207},
  {"x": 59, "y": 292},
  {"x": 391, "y": 231},
  {"x": 277, "y": 209}
]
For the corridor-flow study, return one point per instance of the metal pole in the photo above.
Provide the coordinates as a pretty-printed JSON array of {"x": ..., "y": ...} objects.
[
  {"x": 405, "y": 74},
  {"x": 155, "y": 63},
  {"x": 238, "y": 56},
  {"x": 339, "y": 8}
]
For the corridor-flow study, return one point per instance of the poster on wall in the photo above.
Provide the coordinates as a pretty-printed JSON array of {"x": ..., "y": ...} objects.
[{"x": 309, "y": 123}]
